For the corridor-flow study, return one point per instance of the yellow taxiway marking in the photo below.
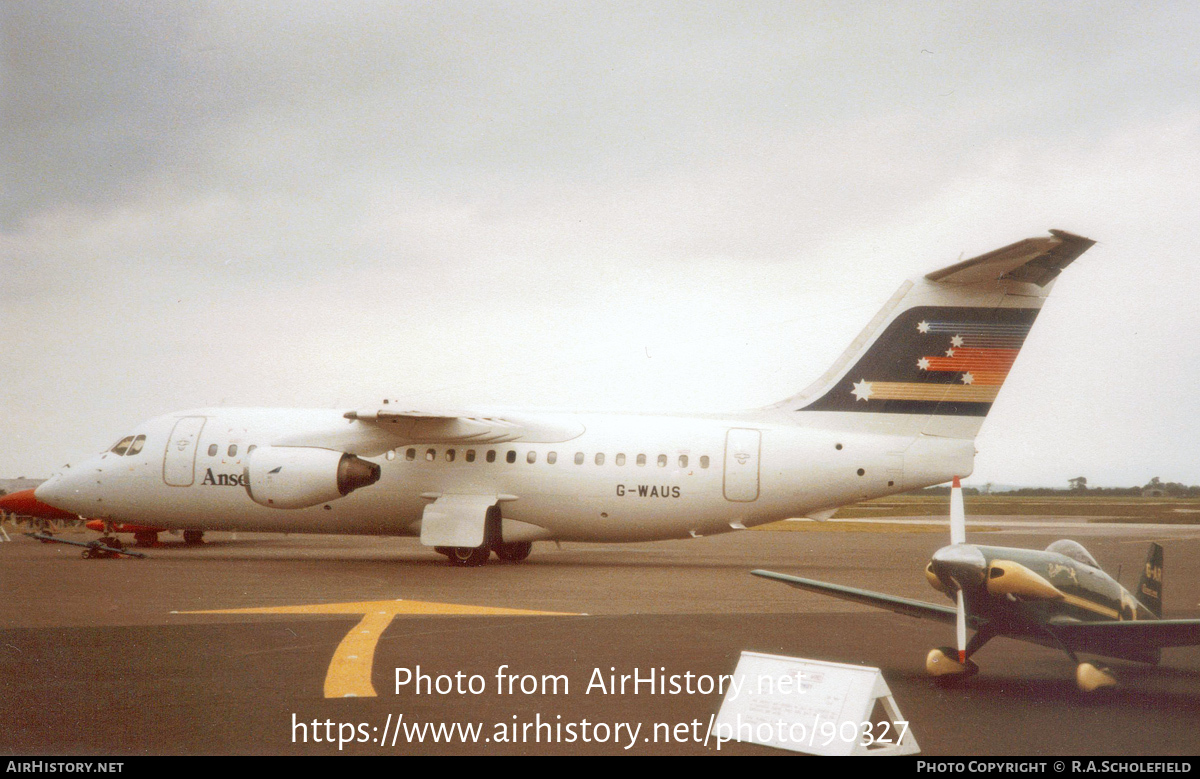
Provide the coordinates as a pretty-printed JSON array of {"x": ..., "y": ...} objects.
[{"x": 349, "y": 674}]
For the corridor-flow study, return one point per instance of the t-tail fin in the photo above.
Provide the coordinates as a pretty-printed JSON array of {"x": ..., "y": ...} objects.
[
  {"x": 933, "y": 360},
  {"x": 1149, "y": 589}
]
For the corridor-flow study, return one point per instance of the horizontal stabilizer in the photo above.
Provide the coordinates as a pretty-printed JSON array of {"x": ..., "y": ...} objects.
[{"x": 1033, "y": 260}]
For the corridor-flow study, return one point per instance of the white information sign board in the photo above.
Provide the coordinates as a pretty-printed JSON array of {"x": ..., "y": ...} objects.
[{"x": 812, "y": 706}]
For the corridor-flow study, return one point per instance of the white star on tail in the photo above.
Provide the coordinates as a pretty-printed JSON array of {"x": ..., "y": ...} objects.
[
  {"x": 956, "y": 340},
  {"x": 968, "y": 378},
  {"x": 922, "y": 326},
  {"x": 923, "y": 363},
  {"x": 862, "y": 390}
]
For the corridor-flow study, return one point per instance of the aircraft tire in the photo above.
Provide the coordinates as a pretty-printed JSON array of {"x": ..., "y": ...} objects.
[
  {"x": 514, "y": 551},
  {"x": 469, "y": 556},
  {"x": 193, "y": 537}
]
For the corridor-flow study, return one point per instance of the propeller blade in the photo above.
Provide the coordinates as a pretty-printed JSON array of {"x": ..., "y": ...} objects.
[
  {"x": 958, "y": 515},
  {"x": 961, "y": 628}
]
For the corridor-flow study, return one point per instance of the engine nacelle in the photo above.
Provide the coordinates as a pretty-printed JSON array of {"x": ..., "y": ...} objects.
[{"x": 296, "y": 477}]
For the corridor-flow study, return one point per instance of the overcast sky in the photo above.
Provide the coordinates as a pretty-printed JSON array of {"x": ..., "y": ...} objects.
[{"x": 625, "y": 206}]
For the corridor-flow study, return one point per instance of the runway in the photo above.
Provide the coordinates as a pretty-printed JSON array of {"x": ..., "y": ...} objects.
[{"x": 110, "y": 657}]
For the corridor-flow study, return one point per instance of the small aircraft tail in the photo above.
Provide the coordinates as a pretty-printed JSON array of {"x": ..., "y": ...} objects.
[
  {"x": 1149, "y": 590},
  {"x": 933, "y": 360}
]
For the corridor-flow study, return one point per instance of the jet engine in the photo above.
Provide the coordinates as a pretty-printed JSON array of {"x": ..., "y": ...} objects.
[{"x": 296, "y": 477}]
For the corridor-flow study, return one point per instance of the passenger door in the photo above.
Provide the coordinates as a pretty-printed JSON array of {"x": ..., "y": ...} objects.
[
  {"x": 179, "y": 462},
  {"x": 741, "y": 464}
]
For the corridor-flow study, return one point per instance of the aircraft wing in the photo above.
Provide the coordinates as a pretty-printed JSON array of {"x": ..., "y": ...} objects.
[
  {"x": 465, "y": 427},
  {"x": 1150, "y": 633},
  {"x": 373, "y": 431},
  {"x": 911, "y": 608}
]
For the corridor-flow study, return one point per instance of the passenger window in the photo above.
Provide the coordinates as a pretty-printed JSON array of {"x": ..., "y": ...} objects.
[
  {"x": 599, "y": 458},
  {"x": 662, "y": 461},
  {"x": 704, "y": 461},
  {"x": 449, "y": 455},
  {"x": 470, "y": 455},
  {"x": 410, "y": 455},
  {"x": 120, "y": 446},
  {"x": 641, "y": 459},
  {"x": 579, "y": 458},
  {"x": 552, "y": 457},
  {"x": 212, "y": 450},
  {"x": 430, "y": 454},
  {"x": 620, "y": 459},
  {"x": 531, "y": 457},
  {"x": 233, "y": 450},
  {"x": 683, "y": 461},
  {"x": 251, "y": 448},
  {"x": 491, "y": 456},
  {"x": 391, "y": 454},
  {"x": 511, "y": 456},
  {"x": 137, "y": 445}
]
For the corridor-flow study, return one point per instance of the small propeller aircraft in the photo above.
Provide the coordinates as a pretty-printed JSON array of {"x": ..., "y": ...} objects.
[{"x": 1058, "y": 598}]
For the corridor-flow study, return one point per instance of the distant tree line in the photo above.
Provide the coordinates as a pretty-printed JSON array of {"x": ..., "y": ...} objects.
[{"x": 1079, "y": 486}]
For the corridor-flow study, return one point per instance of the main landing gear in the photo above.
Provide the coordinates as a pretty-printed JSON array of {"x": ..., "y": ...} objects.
[
  {"x": 944, "y": 662},
  {"x": 471, "y": 557},
  {"x": 146, "y": 538}
]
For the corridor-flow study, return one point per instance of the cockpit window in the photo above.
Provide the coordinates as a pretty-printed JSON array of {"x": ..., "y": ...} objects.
[
  {"x": 122, "y": 445},
  {"x": 1074, "y": 550},
  {"x": 137, "y": 445}
]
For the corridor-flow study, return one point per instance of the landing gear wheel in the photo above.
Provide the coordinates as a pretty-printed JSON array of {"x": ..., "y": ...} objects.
[
  {"x": 1090, "y": 678},
  {"x": 193, "y": 537},
  {"x": 469, "y": 556},
  {"x": 514, "y": 551},
  {"x": 943, "y": 662},
  {"x": 86, "y": 554},
  {"x": 146, "y": 538}
]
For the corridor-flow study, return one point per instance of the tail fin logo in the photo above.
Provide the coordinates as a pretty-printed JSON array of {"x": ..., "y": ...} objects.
[{"x": 934, "y": 360}]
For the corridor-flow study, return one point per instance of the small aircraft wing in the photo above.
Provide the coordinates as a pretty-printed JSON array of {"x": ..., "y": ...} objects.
[
  {"x": 1150, "y": 633},
  {"x": 910, "y": 608}
]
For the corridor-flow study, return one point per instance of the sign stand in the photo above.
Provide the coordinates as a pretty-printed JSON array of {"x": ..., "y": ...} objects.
[{"x": 812, "y": 706}]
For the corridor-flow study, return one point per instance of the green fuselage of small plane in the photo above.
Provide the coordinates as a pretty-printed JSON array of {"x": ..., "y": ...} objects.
[{"x": 1032, "y": 595}]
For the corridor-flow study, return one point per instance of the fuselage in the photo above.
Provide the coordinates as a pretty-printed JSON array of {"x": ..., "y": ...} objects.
[
  {"x": 1019, "y": 592},
  {"x": 614, "y": 477}
]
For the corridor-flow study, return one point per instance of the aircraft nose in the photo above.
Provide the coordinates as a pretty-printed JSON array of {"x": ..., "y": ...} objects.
[
  {"x": 961, "y": 563},
  {"x": 59, "y": 493},
  {"x": 25, "y": 503}
]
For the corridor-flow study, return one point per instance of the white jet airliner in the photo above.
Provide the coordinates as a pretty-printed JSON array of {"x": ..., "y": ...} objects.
[{"x": 899, "y": 410}]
